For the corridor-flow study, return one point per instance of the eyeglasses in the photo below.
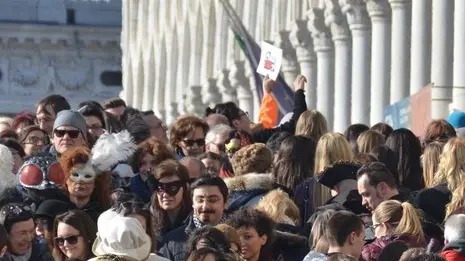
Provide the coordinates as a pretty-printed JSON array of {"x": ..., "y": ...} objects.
[
  {"x": 43, "y": 120},
  {"x": 73, "y": 134},
  {"x": 190, "y": 143},
  {"x": 171, "y": 188},
  {"x": 374, "y": 226},
  {"x": 95, "y": 127},
  {"x": 35, "y": 141},
  {"x": 72, "y": 240}
]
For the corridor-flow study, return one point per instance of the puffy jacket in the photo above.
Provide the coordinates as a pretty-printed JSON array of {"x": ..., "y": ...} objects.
[
  {"x": 248, "y": 189},
  {"x": 372, "y": 251},
  {"x": 454, "y": 251}
]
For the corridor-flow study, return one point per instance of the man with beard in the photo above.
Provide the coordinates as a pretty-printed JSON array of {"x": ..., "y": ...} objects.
[
  {"x": 376, "y": 184},
  {"x": 19, "y": 225},
  {"x": 210, "y": 197}
]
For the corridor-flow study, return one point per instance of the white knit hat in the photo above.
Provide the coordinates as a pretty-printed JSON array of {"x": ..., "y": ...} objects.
[{"x": 122, "y": 236}]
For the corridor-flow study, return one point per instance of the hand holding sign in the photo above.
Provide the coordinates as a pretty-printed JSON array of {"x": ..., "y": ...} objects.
[{"x": 271, "y": 59}]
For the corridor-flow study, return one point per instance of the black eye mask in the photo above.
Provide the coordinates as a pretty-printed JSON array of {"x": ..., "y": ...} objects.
[{"x": 171, "y": 188}]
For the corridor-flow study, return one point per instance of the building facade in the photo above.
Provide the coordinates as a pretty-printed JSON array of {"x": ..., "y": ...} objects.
[
  {"x": 62, "y": 47},
  {"x": 359, "y": 56}
]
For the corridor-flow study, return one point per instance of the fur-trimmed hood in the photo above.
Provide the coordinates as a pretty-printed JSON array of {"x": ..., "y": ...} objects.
[{"x": 251, "y": 181}]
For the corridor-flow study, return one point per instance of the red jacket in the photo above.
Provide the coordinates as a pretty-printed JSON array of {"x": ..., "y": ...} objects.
[
  {"x": 452, "y": 255},
  {"x": 454, "y": 251}
]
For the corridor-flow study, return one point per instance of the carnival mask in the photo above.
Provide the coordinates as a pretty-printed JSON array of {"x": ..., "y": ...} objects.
[
  {"x": 83, "y": 173},
  {"x": 41, "y": 172}
]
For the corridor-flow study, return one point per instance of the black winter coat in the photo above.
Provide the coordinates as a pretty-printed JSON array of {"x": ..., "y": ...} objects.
[{"x": 174, "y": 244}]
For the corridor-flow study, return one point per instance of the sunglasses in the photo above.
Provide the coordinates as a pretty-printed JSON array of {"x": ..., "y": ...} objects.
[
  {"x": 171, "y": 188},
  {"x": 73, "y": 134},
  {"x": 72, "y": 240},
  {"x": 190, "y": 143}
]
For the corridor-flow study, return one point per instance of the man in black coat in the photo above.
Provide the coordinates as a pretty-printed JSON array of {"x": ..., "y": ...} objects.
[{"x": 209, "y": 197}]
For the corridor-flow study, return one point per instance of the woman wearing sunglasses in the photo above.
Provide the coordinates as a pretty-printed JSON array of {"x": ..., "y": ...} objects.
[
  {"x": 187, "y": 136},
  {"x": 74, "y": 233},
  {"x": 171, "y": 198}
]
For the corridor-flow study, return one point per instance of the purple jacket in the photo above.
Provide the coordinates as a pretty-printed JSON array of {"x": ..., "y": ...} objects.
[{"x": 372, "y": 251}]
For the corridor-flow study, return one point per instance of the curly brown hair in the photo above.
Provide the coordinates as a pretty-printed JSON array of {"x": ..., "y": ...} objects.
[
  {"x": 182, "y": 126},
  {"x": 252, "y": 158},
  {"x": 102, "y": 188},
  {"x": 158, "y": 149}
]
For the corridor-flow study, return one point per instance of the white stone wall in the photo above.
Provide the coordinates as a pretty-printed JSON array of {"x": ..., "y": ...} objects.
[
  {"x": 39, "y": 60},
  {"x": 179, "y": 56}
]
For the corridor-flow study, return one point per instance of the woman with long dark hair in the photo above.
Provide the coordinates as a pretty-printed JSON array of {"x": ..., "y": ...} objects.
[
  {"x": 408, "y": 150},
  {"x": 171, "y": 200},
  {"x": 294, "y": 163},
  {"x": 73, "y": 235}
]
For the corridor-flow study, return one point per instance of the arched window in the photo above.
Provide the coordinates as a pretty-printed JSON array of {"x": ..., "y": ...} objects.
[{"x": 111, "y": 78}]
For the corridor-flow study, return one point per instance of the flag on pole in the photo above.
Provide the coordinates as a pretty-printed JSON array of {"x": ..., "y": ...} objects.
[{"x": 282, "y": 92}]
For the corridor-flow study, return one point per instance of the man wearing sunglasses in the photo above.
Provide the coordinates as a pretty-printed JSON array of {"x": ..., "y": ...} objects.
[{"x": 69, "y": 131}]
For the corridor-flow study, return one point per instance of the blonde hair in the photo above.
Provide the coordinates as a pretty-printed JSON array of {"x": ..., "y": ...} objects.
[
  {"x": 279, "y": 207},
  {"x": 451, "y": 169},
  {"x": 403, "y": 216},
  {"x": 430, "y": 160},
  {"x": 311, "y": 124},
  {"x": 317, "y": 236},
  {"x": 369, "y": 140},
  {"x": 457, "y": 203},
  {"x": 331, "y": 148}
]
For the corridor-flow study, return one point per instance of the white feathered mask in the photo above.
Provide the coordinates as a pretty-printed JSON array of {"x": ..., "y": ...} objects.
[{"x": 108, "y": 151}]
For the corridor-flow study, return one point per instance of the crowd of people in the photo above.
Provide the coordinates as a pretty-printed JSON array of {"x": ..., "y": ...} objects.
[{"x": 109, "y": 182}]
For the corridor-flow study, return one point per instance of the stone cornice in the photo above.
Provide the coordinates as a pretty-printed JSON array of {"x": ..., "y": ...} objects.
[{"x": 60, "y": 34}]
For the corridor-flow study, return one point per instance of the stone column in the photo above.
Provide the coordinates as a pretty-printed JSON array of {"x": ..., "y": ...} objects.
[
  {"x": 301, "y": 39},
  {"x": 241, "y": 83},
  {"x": 225, "y": 87},
  {"x": 325, "y": 59},
  {"x": 420, "y": 67},
  {"x": 400, "y": 43},
  {"x": 290, "y": 67},
  {"x": 442, "y": 57},
  {"x": 193, "y": 102},
  {"x": 380, "y": 14},
  {"x": 342, "y": 72},
  {"x": 210, "y": 94},
  {"x": 359, "y": 24},
  {"x": 459, "y": 56}
]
